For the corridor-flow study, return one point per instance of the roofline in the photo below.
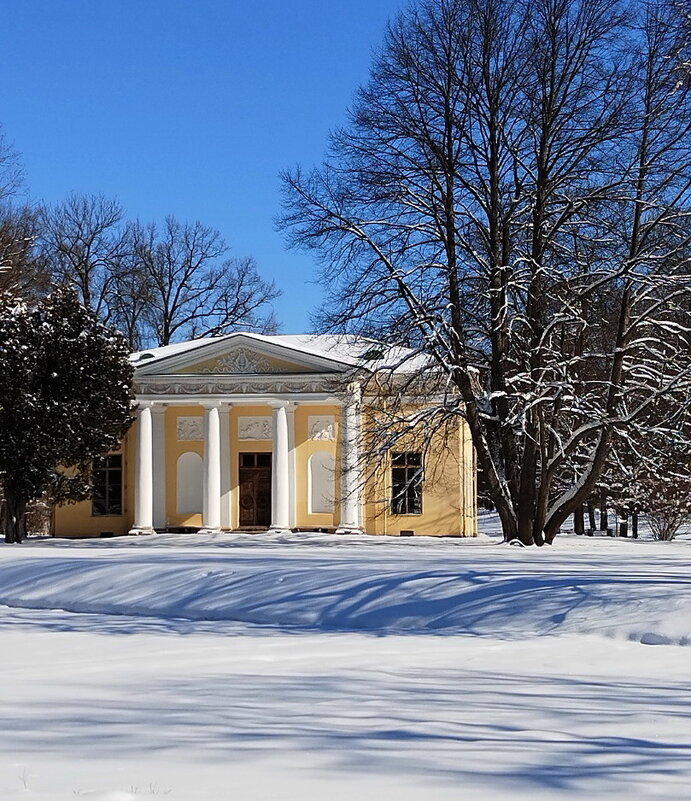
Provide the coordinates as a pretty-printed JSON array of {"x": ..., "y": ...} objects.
[{"x": 258, "y": 338}]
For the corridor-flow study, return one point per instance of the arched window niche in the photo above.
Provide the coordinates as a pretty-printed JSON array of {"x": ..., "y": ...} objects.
[
  {"x": 321, "y": 475},
  {"x": 190, "y": 476}
]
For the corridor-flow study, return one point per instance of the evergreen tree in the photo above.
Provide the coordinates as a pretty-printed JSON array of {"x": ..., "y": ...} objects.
[{"x": 65, "y": 401}]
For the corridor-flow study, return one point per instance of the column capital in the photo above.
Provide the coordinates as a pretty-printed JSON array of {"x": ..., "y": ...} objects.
[
  {"x": 158, "y": 408},
  {"x": 278, "y": 404},
  {"x": 211, "y": 404}
]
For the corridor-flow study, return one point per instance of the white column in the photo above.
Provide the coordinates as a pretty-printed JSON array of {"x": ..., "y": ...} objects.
[
  {"x": 159, "y": 466},
  {"x": 292, "y": 492},
  {"x": 211, "y": 512},
  {"x": 144, "y": 477},
  {"x": 351, "y": 473},
  {"x": 280, "y": 472},
  {"x": 224, "y": 412}
]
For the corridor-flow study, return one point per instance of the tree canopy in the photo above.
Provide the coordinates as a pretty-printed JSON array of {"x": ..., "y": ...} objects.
[
  {"x": 512, "y": 196},
  {"x": 65, "y": 400}
]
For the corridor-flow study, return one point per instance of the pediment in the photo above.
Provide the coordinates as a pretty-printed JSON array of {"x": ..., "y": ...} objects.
[
  {"x": 244, "y": 361},
  {"x": 239, "y": 355}
]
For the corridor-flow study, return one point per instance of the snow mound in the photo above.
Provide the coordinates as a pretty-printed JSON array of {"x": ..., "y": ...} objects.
[{"x": 637, "y": 591}]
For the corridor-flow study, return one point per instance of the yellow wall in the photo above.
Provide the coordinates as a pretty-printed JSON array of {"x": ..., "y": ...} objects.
[
  {"x": 304, "y": 448},
  {"x": 448, "y": 490},
  {"x": 449, "y": 496},
  {"x": 76, "y": 520}
]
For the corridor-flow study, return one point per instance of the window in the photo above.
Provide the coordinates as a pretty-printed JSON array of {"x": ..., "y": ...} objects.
[
  {"x": 107, "y": 497},
  {"x": 406, "y": 483},
  {"x": 255, "y": 460}
]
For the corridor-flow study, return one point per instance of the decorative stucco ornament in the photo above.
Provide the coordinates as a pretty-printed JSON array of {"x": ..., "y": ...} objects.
[
  {"x": 190, "y": 429},
  {"x": 255, "y": 428},
  {"x": 322, "y": 427},
  {"x": 241, "y": 362}
]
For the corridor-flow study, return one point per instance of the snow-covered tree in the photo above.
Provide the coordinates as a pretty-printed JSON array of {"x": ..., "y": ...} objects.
[
  {"x": 653, "y": 477},
  {"x": 65, "y": 400},
  {"x": 512, "y": 196}
]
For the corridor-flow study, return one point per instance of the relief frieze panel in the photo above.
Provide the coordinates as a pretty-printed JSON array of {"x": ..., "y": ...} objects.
[
  {"x": 255, "y": 428},
  {"x": 321, "y": 427},
  {"x": 190, "y": 429}
]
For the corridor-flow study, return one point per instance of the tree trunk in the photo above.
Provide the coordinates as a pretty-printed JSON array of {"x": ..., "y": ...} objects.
[
  {"x": 578, "y": 520},
  {"x": 634, "y": 524},
  {"x": 591, "y": 516},
  {"x": 603, "y": 511},
  {"x": 623, "y": 524},
  {"x": 13, "y": 517}
]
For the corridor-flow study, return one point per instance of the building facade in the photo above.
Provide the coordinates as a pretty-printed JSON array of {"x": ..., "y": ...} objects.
[{"x": 253, "y": 432}]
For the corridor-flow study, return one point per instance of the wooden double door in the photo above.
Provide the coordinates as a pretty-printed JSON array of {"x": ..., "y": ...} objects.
[{"x": 255, "y": 490}]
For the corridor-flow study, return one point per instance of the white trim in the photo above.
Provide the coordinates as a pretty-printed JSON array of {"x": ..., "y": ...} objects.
[{"x": 313, "y": 399}]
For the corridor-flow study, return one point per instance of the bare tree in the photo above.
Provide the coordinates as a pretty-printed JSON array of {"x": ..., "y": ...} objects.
[
  {"x": 23, "y": 270},
  {"x": 130, "y": 295},
  {"x": 156, "y": 284},
  {"x": 84, "y": 241},
  {"x": 11, "y": 171},
  {"x": 514, "y": 189},
  {"x": 193, "y": 289},
  {"x": 682, "y": 21}
]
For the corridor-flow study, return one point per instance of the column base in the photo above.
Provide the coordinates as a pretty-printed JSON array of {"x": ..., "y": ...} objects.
[
  {"x": 140, "y": 532},
  {"x": 209, "y": 531},
  {"x": 349, "y": 530},
  {"x": 279, "y": 530}
]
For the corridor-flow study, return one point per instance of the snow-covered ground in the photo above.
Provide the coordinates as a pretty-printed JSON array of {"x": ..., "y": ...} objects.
[{"x": 249, "y": 667}]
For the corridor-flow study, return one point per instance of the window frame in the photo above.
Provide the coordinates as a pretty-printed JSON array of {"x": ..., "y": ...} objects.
[
  {"x": 407, "y": 490},
  {"x": 107, "y": 469}
]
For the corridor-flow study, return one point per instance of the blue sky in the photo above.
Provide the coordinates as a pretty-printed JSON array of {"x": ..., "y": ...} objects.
[{"x": 186, "y": 107}]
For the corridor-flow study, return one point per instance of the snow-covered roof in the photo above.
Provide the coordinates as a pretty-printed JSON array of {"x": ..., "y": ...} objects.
[{"x": 345, "y": 350}]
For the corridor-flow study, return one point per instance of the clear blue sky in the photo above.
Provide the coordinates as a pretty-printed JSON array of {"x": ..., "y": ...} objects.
[{"x": 186, "y": 107}]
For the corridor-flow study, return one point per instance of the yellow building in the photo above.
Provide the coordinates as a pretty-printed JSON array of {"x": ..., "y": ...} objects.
[{"x": 257, "y": 432}]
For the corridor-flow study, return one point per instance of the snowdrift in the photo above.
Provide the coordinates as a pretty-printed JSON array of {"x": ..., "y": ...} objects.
[{"x": 631, "y": 590}]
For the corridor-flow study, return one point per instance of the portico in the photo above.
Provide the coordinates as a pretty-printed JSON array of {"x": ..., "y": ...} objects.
[{"x": 225, "y": 418}]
